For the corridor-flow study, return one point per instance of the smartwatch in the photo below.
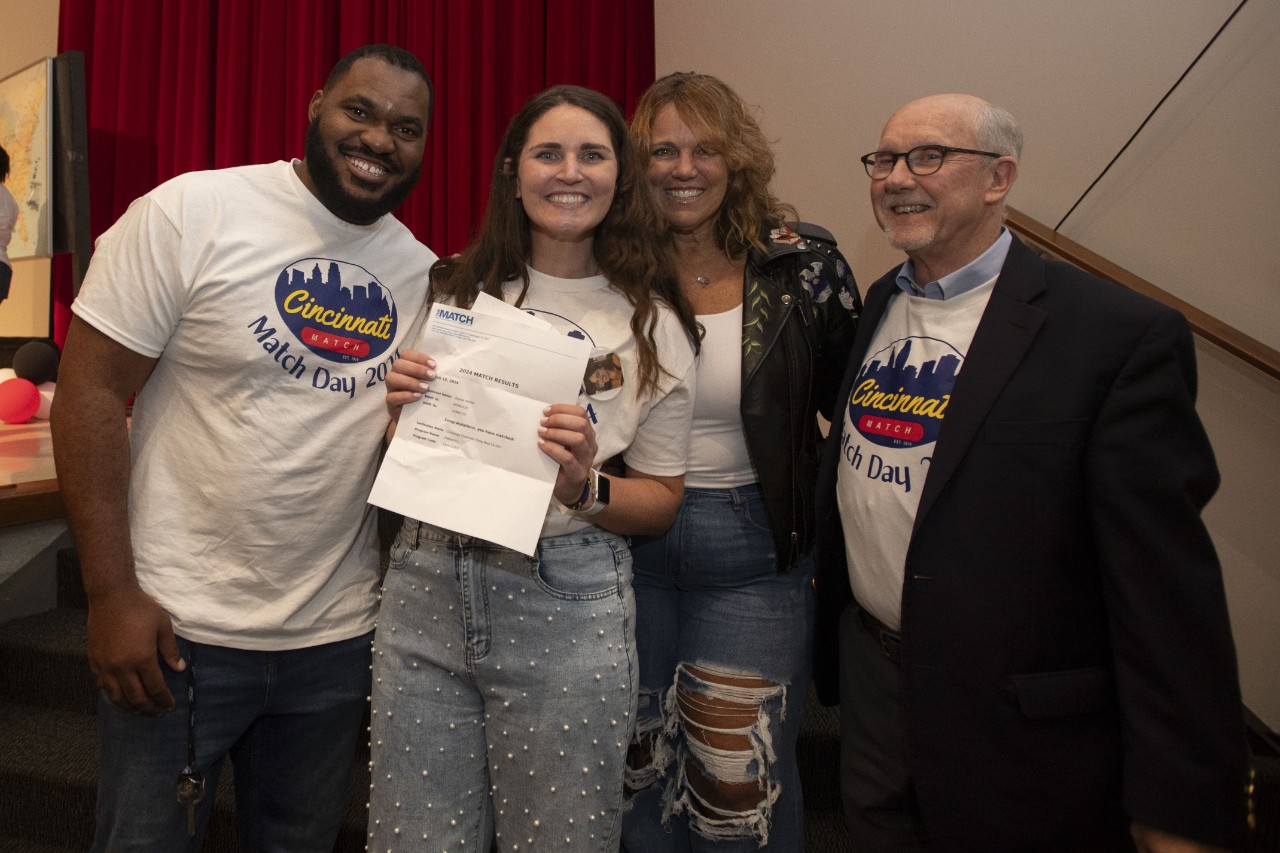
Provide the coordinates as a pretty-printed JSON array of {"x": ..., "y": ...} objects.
[{"x": 599, "y": 484}]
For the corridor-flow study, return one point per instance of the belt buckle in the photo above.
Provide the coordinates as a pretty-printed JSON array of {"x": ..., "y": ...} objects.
[
  {"x": 889, "y": 641},
  {"x": 890, "y": 644}
]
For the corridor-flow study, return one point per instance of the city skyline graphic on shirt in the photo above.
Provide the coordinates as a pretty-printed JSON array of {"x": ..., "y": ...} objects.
[
  {"x": 336, "y": 321},
  {"x": 900, "y": 401}
]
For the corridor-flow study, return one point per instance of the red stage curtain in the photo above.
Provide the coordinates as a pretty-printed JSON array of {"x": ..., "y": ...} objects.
[{"x": 199, "y": 84}]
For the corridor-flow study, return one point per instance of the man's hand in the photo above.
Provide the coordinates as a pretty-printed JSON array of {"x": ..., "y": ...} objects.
[
  {"x": 1148, "y": 839},
  {"x": 126, "y": 631}
]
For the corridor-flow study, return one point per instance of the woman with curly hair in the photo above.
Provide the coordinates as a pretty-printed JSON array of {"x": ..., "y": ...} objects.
[
  {"x": 724, "y": 598},
  {"x": 505, "y": 685}
]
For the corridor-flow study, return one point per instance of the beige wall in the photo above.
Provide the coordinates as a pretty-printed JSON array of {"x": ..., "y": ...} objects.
[
  {"x": 1185, "y": 207},
  {"x": 30, "y": 32}
]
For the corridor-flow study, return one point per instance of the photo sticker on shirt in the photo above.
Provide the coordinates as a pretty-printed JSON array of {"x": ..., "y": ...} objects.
[
  {"x": 603, "y": 378},
  {"x": 337, "y": 310},
  {"x": 901, "y": 394}
]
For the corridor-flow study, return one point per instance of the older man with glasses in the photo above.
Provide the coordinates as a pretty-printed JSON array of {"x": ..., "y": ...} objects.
[{"x": 1020, "y": 609}]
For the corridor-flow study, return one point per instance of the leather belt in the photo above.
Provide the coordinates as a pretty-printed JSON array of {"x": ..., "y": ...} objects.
[{"x": 889, "y": 641}]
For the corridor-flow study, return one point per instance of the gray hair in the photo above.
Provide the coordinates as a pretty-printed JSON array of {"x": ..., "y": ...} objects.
[{"x": 997, "y": 130}]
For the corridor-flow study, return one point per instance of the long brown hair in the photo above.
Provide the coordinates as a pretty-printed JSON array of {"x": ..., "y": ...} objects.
[
  {"x": 631, "y": 244},
  {"x": 722, "y": 120}
]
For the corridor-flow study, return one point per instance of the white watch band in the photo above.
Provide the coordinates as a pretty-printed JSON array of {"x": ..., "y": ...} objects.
[{"x": 596, "y": 506}]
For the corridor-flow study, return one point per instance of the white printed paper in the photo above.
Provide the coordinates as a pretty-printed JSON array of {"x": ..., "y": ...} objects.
[{"x": 465, "y": 456}]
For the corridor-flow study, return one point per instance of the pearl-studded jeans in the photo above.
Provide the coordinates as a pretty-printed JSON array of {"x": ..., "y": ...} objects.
[
  {"x": 504, "y": 691},
  {"x": 712, "y": 607}
]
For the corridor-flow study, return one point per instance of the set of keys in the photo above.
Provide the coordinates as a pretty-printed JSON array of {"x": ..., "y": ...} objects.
[
  {"x": 190, "y": 789},
  {"x": 190, "y": 793}
]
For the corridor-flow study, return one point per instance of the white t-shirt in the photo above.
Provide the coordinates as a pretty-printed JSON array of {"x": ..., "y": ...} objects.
[
  {"x": 8, "y": 220},
  {"x": 256, "y": 439},
  {"x": 891, "y": 423},
  {"x": 652, "y": 432},
  {"x": 718, "y": 453}
]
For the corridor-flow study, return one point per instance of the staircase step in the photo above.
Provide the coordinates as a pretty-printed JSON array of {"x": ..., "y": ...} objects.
[
  {"x": 48, "y": 775},
  {"x": 42, "y": 661}
]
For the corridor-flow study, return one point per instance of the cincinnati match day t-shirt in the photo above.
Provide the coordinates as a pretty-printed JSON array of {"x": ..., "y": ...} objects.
[
  {"x": 891, "y": 422},
  {"x": 256, "y": 438}
]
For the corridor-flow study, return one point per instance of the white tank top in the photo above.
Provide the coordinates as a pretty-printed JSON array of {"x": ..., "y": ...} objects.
[{"x": 718, "y": 456}]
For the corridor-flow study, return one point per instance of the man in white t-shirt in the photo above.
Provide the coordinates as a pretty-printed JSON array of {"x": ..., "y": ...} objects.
[
  {"x": 1021, "y": 612},
  {"x": 229, "y": 556}
]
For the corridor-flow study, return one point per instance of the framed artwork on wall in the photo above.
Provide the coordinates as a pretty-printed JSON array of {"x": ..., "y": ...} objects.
[{"x": 26, "y": 103}]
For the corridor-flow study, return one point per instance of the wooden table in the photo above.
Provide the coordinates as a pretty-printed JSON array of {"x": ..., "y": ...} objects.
[{"x": 28, "y": 483}]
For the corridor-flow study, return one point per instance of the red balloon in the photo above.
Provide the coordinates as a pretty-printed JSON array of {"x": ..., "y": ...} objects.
[{"x": 19, "y": 400}]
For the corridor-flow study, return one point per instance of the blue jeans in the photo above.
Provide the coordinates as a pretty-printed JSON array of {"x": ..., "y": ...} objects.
[
  {"x": 724, "y": 645},
  {"x": 504, "y": 692},
  {"x": 290, "y": 720}
]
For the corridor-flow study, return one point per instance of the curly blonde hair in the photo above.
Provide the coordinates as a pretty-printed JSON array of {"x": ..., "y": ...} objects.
[{"x": 724, "y": 123}]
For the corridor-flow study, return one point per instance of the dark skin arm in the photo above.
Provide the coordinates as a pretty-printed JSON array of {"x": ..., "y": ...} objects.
[{"x": 128, "y": 631}]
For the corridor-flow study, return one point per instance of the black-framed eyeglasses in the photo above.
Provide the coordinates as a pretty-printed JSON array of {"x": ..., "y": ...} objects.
[{"x": 921, "y": 160}]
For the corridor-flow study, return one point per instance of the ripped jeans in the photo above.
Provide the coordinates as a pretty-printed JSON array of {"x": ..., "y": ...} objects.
[{"x": 724, "y": 643}]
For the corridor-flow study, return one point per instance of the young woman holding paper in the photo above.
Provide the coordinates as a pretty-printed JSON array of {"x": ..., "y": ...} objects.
[{"x": 505, "y": 685}]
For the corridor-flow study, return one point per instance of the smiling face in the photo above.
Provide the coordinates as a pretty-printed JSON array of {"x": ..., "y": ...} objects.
[
  {"x": 944, "y": 220},
  {"x": 688, "y": 178},
  {"x": 604, "y": 373},
  {"x": 566, "y": 175},
  {"x": 365, "y": 141}
]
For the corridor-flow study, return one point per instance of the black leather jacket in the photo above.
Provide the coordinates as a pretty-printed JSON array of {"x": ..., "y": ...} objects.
[{"x": 800, "y": 309}]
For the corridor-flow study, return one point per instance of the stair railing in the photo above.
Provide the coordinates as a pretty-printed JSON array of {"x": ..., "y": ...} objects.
[{"x": 1230, "y": 339}]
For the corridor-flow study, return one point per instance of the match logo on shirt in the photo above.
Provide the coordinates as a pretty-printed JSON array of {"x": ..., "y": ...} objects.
[
  {"x": 337, "y": 310},
  {"x": 901, "y": 394}
]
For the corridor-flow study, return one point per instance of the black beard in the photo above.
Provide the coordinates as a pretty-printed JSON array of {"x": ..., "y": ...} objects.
[{"x": 324, "y": 174}]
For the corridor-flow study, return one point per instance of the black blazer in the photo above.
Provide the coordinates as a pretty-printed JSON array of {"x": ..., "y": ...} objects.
[{"x": 1067, "y": 659}]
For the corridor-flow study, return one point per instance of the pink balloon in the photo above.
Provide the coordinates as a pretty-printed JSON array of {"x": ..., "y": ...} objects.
[{"x": 19, "y": 401}]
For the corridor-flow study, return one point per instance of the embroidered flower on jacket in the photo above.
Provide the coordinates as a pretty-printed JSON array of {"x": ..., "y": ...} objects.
[
  {"x": 784, "y": 234},
  {"x": 815, "y": 283}
]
